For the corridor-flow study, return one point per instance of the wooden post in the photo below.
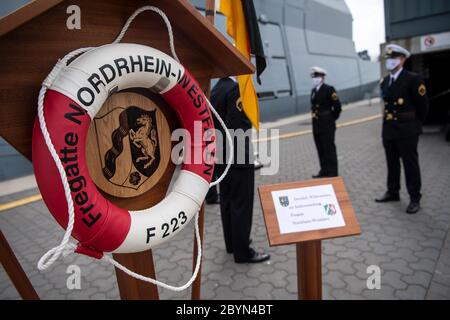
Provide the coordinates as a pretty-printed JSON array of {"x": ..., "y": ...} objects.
[
  {"x": 15, "y": 271},
  {"x": 196, "y": 286},
  {"x": 131, "y": 288},
  {"x": 309, "y": 270},
  {"x": 210, "y": 6}
]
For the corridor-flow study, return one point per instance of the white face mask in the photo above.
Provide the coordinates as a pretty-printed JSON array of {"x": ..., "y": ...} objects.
[
  {"x": 317, "y": 81},
  {"x": 392, "y": 63}
]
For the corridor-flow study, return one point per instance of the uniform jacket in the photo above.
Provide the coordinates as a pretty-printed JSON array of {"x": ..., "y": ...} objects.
[
  {"x": 325, "y": 109},
  {"x": 405, "y": 105},
  {"x": 225, "y": 98}
]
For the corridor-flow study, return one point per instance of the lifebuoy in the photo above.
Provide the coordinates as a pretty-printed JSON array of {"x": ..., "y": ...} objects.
[{"x": 72, "y": 101}]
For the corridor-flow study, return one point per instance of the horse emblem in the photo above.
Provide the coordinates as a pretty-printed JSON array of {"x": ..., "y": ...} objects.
[
  {"x": 134, "y": 152},
  {"x": 145, "y": 139}
]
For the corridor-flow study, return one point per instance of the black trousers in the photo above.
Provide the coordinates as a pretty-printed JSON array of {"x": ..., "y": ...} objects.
[
  {"x": 326, "y": 149},
  {"x": 405, "y": 149},
  {"x": 236, "y": 208}
]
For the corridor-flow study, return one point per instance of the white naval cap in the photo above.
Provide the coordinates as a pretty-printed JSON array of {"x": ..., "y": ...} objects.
[
  {"x": 318, "y": 70},
  {"x": 395, "y": 50}
]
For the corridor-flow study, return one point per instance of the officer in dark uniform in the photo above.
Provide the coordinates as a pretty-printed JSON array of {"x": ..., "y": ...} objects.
[
  {"x": 237, "y": 189},
  {"x": 325, "y": 110},
  {"x": 405, "y": 109}
]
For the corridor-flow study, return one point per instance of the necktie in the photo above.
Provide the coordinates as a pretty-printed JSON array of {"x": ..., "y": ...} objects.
[{"x": 391, "y": 81}]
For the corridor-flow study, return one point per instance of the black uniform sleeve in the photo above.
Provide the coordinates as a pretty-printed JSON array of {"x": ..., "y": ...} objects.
[
  {"x": 335, "y": 103},
  {"x": 419, "y": 97},
  {"x": 236, "y": 118}
]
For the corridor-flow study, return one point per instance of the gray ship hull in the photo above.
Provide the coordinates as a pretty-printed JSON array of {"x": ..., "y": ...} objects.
[{"x": 298, "y": 34}]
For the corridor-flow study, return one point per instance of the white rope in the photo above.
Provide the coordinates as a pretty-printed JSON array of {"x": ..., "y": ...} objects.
[
  {"x": 163, "y": 16},
  {"x": 66, "y": 247},
  {"x": 53, "y": 254},
  {"x": 230, "y": 142},
  {"x": 159, "y": 283}
]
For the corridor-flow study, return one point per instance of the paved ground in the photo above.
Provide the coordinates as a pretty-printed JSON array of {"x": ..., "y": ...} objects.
[{"x": 413, "y": 252}]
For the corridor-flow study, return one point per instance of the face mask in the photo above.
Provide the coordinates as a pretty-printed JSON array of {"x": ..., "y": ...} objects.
[
  {"x": 392, "y": 63},
  {"x": 316, "y": 81}
]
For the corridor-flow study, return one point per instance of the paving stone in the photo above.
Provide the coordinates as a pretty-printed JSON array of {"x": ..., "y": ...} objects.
[
  {"x": 344, "y": 266},
  {"x": 277, "y": 278},
  {"x": 438, "y": 292},
  {"x": 394, "y": 279},
  {"x": 397, "y": 265},
  {"x": 424, "y": 264},
  {"x": 353, "y": 284},
  {"x": 413, "y": 252},
  {"x": 420, "y": 278},
  {"x": 262, "y": 292},
  {"x": 385, "y": 293},
  {"x": 335, "y": 279},
  {"x": 413, "y": 292}
]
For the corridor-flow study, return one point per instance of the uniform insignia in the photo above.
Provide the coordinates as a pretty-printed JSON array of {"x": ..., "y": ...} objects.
[
  {"x": 401, "y": 101},
  {"x": 334, "y": 96},
  {"x": 422, "y": 90},
  {"x": 389, "y": 50},
  {"x": 239, "y": 104},
  {"x": 389, "y": 116}
]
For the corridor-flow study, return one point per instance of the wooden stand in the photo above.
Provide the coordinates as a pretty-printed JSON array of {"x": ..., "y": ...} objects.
[
  {"x": 15, "y": 271},
  {"x": 41, "y": 25},
  {"x": 309, "y": 270},
  {"x": 309, "y": 243}
]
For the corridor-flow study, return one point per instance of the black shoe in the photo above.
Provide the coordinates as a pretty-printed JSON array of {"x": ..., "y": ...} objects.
[
  {"x": 388, "y": 197},
  {"x": 319, "y": 176},
  {"x": 413, "y": 207},
  {"x": 256, "y": 258}
]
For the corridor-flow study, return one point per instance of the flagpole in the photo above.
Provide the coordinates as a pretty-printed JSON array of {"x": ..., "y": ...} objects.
[{"x": 210, "y": 8}]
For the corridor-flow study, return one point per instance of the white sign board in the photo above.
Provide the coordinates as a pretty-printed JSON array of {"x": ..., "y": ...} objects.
[
  {"x": 434, "y": 41},
  {"x": 307, "y": 209}
]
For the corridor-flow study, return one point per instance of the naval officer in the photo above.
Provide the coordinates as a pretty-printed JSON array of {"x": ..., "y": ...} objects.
[
  {"x": 237, "y": 189},
  {"x": 325, "y": 110},
  {"x": 405, "y": 109}
]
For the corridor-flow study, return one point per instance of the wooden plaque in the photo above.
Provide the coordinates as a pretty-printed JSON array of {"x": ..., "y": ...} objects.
[
  {"x": 129, "y": 145},
  {"x": 351, "y": 227}
]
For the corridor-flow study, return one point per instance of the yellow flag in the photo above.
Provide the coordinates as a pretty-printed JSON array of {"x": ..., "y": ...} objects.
[{"x": 237, "y": 29}]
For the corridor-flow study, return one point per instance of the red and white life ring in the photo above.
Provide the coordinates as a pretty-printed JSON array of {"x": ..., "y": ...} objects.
[{"x": 72, "y": 101}]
